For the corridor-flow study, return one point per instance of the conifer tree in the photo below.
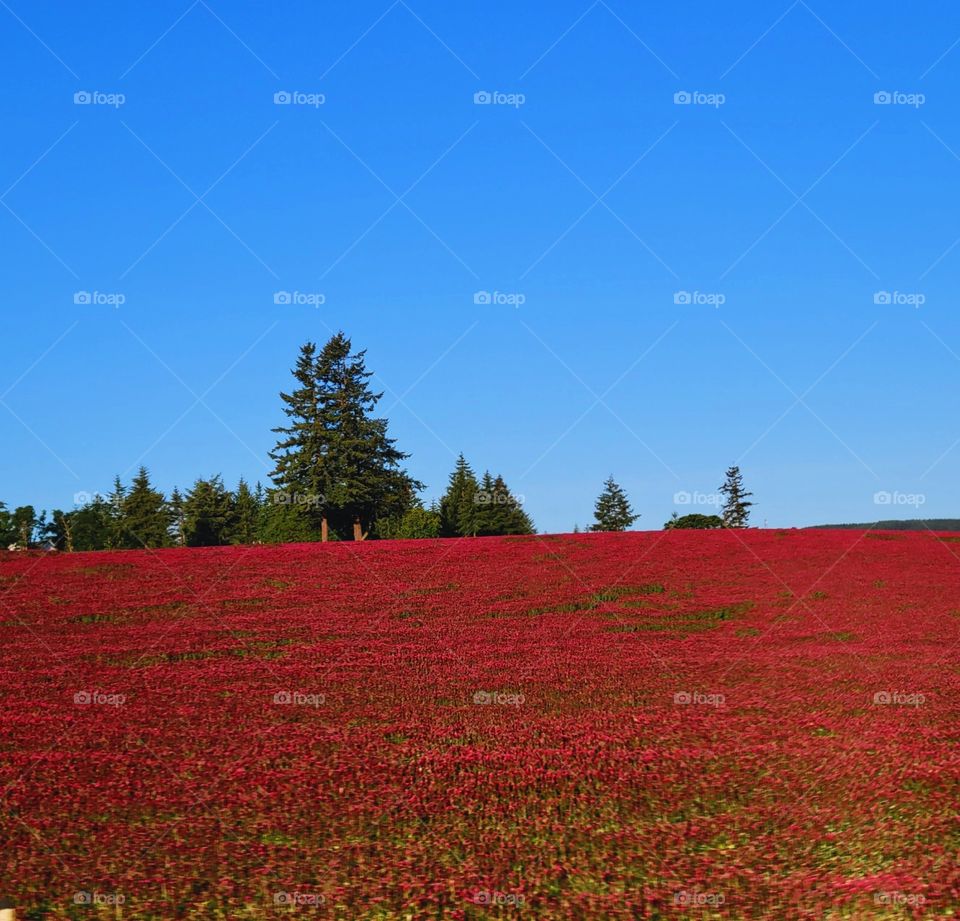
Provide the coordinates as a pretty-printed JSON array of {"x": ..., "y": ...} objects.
[
  {"x": 335, "y": 458},
  {"x": 458, "y": 510},
  {"x": 246, "y": 515},
  {"x": 612, "y": 511},
  {"x": 207, "y": 512},
  {"x": 498, "y": 511},
  {"x": 178, "y": 526},
  {"x": 115, "y": 502},
  {"x": 736, "y": 510},
  {"x": 145, "y": 516}
]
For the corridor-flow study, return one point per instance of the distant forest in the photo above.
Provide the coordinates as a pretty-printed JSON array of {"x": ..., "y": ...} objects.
[{"x": 908, "y": 524}]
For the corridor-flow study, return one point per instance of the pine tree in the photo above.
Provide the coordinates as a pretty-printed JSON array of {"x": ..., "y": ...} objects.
[
  {"x": 8, "y": 532},
  {"x": 93, "y": 526},
  {"x": 246, "y": 515},
  {"x": 145, "y": 517},
  {"x": 736, "y": 510},
  {"x": 498, "y": 512},
  {"x": 335, "y": 458},
  {"x": 25, "y": 524},
  {"x": 458, "y": 509},
  {"x": 207, "y": 512},
  {"x": 178, "y": 527},
  {"x": 115, "y": 501},
  {"x": 612, "y": 511}
]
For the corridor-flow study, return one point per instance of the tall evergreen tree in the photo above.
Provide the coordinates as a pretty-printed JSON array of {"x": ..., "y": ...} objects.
[
  {"x": 115, "y": 502},
  {"x": 498, "y": 511},
  {"x": 178, "y": 525},
  {"x": 145, "y": 518},
  {"x": 736, "y": 510},
  {"x": 458, "y": 510},
  {"x": 25, "y": 524},
  {"x": 612, "y": 511},
  {"x": 244, "y": 528},
  {"x": 334, "y": 456},
  {"x": 207, "y": 513},
  {"x": 8, "y": 532}
]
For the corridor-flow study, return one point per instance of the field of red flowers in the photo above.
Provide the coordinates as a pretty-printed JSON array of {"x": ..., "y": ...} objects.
[{"x": 737, "y": 725}]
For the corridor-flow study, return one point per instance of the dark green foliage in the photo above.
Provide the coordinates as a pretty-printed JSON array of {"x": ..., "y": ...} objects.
[
  {"x": 613, "y": 511},
  {"x": 245, "y": 523},
  {"x": 207, "y": 514},
  {"x": 8, "y": 533},
  {"x": 736, "y": 511},
  {"x": 458, "y": 509},
  {"x": 178, "y": 518},
  {"x": 498, "y": 512},
  {"x": 144, "y": 517},
  {"x": 334, "y": 459},
  {"x": 694, "y": 521},
  {"x": 415, "y": 524}
]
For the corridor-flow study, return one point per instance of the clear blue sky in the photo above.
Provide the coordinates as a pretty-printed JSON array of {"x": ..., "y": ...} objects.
[{"x": 198, "y": 198}]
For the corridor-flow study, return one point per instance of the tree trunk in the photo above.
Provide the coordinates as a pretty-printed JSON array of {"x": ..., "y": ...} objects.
[{"x": 324, "y": 529}]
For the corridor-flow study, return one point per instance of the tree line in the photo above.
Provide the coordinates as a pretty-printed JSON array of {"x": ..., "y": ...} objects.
[{"x": 337, "y": 475}]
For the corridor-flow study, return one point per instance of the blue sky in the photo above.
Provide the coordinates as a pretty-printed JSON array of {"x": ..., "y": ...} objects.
[{"x": 783, "y": 191}]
